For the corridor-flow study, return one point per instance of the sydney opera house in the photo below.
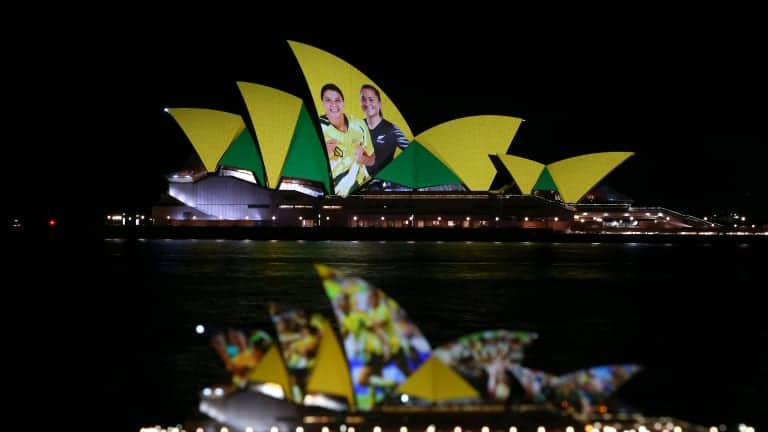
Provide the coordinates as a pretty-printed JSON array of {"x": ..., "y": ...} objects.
[
  {"x": 375, "y": 368},
  {"x": 268, "y": 167}
]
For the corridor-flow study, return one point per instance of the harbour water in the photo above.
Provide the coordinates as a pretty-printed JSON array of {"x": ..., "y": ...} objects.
[{"x": 689, "y": 313}]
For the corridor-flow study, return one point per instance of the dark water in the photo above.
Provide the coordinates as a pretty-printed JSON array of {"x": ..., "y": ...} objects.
[{"x": 692, "y": 315}]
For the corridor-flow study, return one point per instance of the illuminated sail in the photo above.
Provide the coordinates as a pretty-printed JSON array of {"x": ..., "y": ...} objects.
[
  {"x": 483, "y": 358},
  {"x": 382, "y": 345},
  {"x": 436, "y": 382}
]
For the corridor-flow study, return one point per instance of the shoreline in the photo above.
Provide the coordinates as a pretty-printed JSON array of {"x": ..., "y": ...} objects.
[{"x": 421, "y": 234}]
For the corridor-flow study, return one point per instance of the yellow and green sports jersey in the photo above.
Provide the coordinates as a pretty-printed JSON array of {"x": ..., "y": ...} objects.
[
  {"x": 381, "y": 316},
  {"x": 342, "y": 160}
]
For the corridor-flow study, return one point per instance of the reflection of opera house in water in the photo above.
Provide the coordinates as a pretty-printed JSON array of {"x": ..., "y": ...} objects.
[
  {"x": 270, "y": 168},
  {"x": 375, "y": 368}
]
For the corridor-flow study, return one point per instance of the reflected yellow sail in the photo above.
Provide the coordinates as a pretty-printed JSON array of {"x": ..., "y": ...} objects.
[
  {"x": 331, "y": 374},
  {"x": 436, "y": 382},
  {"x": 272, "y": 369}
]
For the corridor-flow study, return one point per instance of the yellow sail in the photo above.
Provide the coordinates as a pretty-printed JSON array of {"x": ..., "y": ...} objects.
[
  {"x": 331, "y": 374},
  {"x": 436, "y": 382},
  {"x": 271, "y": 369}
]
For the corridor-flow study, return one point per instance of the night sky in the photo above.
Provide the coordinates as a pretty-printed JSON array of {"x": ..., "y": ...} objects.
[
  {"x": 85, "y": 132},
  {"x": 685, "y": 91}
]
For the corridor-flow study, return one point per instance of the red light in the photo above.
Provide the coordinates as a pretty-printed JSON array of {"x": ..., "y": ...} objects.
[{"x": 51, "y": 222}]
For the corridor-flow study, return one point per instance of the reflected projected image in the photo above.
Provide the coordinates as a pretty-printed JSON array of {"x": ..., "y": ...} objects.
[
  {"x": 299, "y": 334},
  {"x": 486, "y": 359},
  {"x": 597, "y": 383},
  {"x": 580, "y": 389},
  {"x": 537, "y": 384},
  {"x": 239, "y": 351},
  {"x": 381, "y": 344}
]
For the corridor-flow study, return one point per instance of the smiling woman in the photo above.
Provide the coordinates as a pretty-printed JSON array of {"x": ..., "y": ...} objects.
[
  {"x": 386, "y": 136},
  {"x": 347, "y": 141}
]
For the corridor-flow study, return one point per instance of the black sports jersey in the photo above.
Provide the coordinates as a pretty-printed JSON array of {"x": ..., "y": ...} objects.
[{"x": 385, "y": 136}]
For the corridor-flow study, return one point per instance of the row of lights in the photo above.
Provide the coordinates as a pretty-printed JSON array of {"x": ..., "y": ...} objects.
[
  {"x": 123, "y": 219},
  {"x": 342, "y": 428},
  {"x": 597, "y": 427},
  {"x": 355, "y": 218}
]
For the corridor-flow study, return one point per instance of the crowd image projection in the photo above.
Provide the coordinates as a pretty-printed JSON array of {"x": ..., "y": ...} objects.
[
  {"x": 580, "y": 389},
  {"x": 485, "y": 359},
  {"x": 382, "y": 345},
  {"x": 299, "y": 334},
  {"x": 240, "y": 351}
]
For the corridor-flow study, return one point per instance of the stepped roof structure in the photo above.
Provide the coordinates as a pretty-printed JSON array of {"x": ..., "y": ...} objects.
[
  {"x": 277, "y": 140},
  {"x": 377, "y": 360},
  {"x": 443, "y": 178}
]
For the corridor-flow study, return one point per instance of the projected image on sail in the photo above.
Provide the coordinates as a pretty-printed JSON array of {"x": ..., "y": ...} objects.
[
  {"x": 382, "y": 345},
  {"x": 359, "y": 139},
  {"x": 596, "y": 383},
  {"x": 239, "y": 351},
  {"x": 299, "y": 334},
  {"x": 485, "y": 359},
  {"x": 579, "y": 390}
]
